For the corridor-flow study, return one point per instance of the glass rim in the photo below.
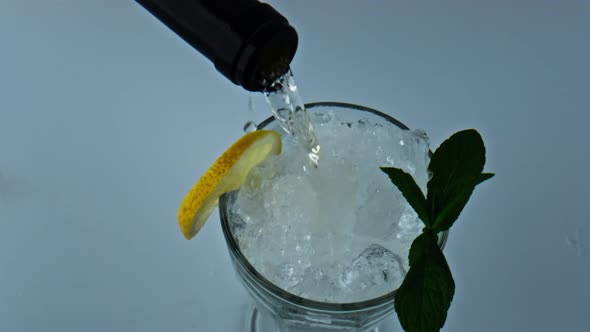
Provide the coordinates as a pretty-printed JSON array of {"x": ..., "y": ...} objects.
[{"x": 268, "y": 285}]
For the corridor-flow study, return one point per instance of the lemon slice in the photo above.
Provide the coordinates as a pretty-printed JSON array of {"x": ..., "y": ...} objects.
[{"x": 227, "y": 173}]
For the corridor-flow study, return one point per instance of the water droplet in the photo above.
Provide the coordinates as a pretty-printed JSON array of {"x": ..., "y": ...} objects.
[
  {"x": 250, "y": 103},
  {"x": 576, "y": 242},
  {"x": 250, "y": 126},
  {"x": 315, "y": 159}
]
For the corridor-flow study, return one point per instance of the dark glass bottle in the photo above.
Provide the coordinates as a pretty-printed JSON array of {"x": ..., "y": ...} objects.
[{"x": 249, "y": 42}]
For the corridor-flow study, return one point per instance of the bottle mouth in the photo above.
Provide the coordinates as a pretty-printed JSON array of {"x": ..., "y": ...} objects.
[
  {"x": 265, "y": 56},
  {"x": 249, "y": 42}
]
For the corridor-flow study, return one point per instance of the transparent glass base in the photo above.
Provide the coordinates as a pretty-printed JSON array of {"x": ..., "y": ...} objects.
[{"x": 256, "y": 321}]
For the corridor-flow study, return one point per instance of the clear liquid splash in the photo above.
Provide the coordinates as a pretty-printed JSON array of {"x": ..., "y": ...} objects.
[{"x": 288, "y": 108}]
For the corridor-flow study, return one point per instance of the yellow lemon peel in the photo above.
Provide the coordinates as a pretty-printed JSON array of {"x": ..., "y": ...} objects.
[{"x": 227, "y": 173}]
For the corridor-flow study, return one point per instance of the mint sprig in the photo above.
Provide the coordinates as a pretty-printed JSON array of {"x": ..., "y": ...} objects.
[
  {"x": 456, "y": 167},
  {"x": 425, "y": 296}
]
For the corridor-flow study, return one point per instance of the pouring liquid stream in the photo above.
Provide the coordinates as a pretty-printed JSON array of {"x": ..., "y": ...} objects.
[{"x": 288, "y": 108}]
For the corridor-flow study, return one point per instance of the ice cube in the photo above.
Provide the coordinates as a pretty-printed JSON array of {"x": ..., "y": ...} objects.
[
  {"x": 414, "y": 155},
  {"x": 375, "y": 272},
  {"x": 322, "y": 118},
  {"x": 380, "y": 211},
  {"x": 318, "y": 285},
  {"x": 288, "y": 275},
  {"x": 409, "y": 225}
]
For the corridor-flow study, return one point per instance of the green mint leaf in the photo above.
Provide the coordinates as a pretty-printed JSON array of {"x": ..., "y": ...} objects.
[
  {"x": 462, "y": 191},
  {"x": 423, "y": 299},
  {"x": 458, "y": 159},
  {"x": 484, "y": 177},
  {"x": 408, "y": 187}
]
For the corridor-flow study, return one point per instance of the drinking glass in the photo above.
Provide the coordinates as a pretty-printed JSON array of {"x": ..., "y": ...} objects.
[{"x": 275, "y": 309}]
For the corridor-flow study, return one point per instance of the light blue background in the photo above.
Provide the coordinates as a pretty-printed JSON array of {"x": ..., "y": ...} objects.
[{"x": 107, "y": 118}]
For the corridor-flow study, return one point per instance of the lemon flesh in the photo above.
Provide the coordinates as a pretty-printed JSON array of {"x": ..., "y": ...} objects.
[{"x": 227, "y": 173}]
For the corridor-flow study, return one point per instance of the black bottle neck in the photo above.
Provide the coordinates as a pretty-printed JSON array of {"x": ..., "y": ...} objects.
[{"x": 249, "y": 42}]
